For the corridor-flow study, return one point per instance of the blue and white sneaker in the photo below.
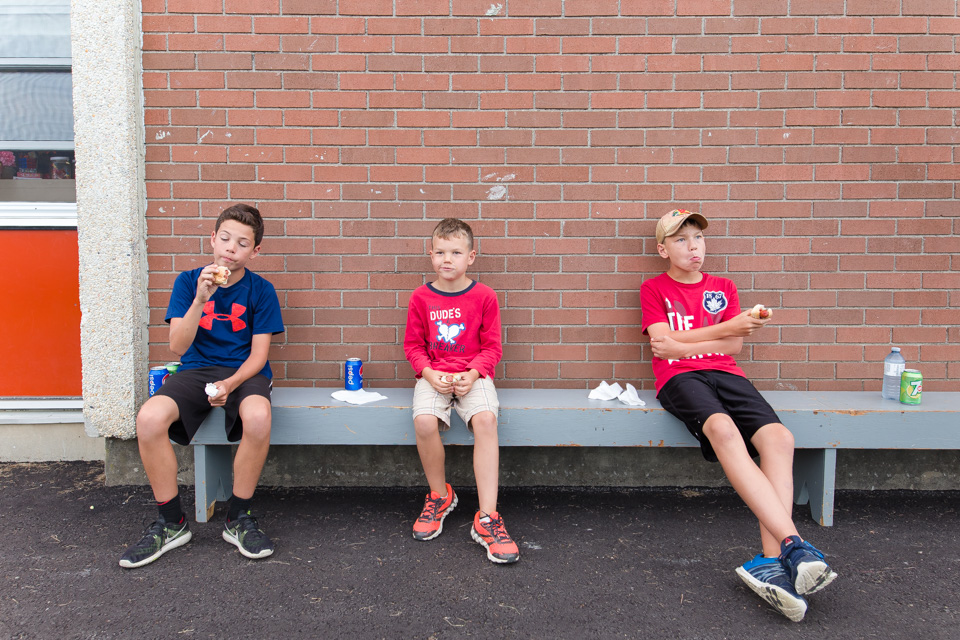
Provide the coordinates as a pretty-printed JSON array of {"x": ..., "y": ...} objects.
[
  {"x": 809, "y": 572},
  {"x": 770, "y": 580}
]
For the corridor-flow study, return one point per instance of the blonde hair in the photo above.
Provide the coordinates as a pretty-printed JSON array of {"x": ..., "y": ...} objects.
[{"x": 454, "y": 228}]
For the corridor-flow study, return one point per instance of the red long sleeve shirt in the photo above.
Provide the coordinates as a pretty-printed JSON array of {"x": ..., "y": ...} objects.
[{"x": 453, "y": 332}]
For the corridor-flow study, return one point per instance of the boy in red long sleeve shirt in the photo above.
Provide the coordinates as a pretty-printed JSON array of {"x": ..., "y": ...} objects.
[{"x": 452, "y": 341}]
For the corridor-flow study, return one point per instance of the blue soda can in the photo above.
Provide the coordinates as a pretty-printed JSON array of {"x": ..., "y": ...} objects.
[
  {"x": 157, "y": 376},
  {"x": 353, "y": 374}
]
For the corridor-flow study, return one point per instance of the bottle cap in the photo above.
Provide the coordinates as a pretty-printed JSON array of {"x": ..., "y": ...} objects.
[{"x": 897, "y": 349}]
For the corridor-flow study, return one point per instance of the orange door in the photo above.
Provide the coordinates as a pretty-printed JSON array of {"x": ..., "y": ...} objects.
[{"x": 39, "y": 313}]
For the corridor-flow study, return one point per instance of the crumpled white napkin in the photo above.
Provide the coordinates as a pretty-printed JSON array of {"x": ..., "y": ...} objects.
[
  {"x": 610, "y": 391},
  {"x": 357, "y": 397},
  {"x": 630, "y": 397},
  {"x": 606, "y": 391}
]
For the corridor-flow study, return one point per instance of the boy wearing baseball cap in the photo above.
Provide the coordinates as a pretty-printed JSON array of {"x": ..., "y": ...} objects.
[{"x": 695, "y": 327}]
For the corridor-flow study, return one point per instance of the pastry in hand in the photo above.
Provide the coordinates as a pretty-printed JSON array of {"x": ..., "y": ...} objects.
[{"x": 220, "y": 276}]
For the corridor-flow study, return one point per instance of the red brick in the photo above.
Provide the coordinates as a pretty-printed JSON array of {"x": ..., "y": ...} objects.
[
  {"x": 929, "y": 7},
  {"x": 195, "y": 42},
  {"x": 235, "y": 61},
  {"x": 235, "y": 42},
  {"x": 224, "y": 24},
  {"x": 167, "y": 23}
]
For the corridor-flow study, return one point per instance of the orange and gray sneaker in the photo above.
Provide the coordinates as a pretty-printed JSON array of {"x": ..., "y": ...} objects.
[
  {"x": 430, "y": 523},
  {"x": 490, "y": 532}
]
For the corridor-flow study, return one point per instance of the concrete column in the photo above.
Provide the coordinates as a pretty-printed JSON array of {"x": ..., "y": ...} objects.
[{"x": 111, "y": 204}]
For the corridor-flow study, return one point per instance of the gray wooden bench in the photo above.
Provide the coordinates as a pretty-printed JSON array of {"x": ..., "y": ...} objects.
[{"x": 821, "y": 422}]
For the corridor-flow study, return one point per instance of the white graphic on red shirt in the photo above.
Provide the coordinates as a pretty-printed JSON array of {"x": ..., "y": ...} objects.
[{"x": 449, "y": 333}]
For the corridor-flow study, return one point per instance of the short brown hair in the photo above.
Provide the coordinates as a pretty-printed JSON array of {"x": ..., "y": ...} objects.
[
  {"x": 454, "y": 228},
  {"x": 244, "y": 214}
]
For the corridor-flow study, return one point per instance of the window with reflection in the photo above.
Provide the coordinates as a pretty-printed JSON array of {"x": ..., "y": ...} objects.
[{"x": 36, "y": 105}]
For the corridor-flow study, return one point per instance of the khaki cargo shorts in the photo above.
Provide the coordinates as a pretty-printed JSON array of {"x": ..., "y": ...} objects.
[{"x": 481, "y": 397}]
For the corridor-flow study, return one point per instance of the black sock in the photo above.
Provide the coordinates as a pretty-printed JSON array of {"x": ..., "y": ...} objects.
[
  {"x": 170, "y": 510},
  {"x": 238, "y": 506}
]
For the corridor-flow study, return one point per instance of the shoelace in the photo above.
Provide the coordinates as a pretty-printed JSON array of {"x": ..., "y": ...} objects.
[
  {"x": 497, "y": 530},
  {"x": 153, "y": 532},
  {"x": 430, "y": 509},
  {"x": 767, "y": 571},
  {"x": 247, "y": 524}
]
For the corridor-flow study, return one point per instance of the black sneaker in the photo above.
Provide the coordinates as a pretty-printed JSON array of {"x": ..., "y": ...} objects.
[
  {"x": 159, "y": 538},
  {"x": 245, "y": 534}
]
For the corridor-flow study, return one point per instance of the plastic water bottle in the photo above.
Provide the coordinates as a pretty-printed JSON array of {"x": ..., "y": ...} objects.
[{"x": 893, "y": 366}]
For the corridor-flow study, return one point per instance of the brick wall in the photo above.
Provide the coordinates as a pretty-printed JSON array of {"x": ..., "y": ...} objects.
[{"x": 820, "y": 138}]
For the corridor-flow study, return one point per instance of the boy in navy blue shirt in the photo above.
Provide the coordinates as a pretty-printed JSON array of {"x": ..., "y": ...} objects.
[{"x": 221, "y": 317}]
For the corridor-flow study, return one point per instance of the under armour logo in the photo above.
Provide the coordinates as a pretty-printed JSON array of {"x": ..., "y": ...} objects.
[{"x": 209, "y": 316}]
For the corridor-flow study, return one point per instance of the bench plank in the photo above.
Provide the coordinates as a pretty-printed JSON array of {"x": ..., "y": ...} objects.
[{"x": 821, "y": 422}]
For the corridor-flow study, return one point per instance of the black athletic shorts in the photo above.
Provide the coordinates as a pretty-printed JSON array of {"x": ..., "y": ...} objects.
[
  {"x": 186, "y": 388},
  {"x": 694, "y": 396}
]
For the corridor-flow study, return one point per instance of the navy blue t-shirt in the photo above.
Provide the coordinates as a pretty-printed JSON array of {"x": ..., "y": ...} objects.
[{"x": 231, "y": 318}]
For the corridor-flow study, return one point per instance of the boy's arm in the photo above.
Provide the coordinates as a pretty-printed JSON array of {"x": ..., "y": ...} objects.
[
  {"x": 415, "y": 349},
  {"x": 415, "y": 340},
  {"x": 259, "y": 351},
  {"x": 491, "y": 349},
  {"x": 723, "y": 337},
  {"x": 739, "y": 326},
  {"x": 665, "y": 343},
  {"x": 183, "y": 330}
]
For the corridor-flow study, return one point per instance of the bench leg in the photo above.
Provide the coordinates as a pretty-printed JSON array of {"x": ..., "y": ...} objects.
[
  {"x": 814, "y": 481},
  {"x": 213, "y": 477}
]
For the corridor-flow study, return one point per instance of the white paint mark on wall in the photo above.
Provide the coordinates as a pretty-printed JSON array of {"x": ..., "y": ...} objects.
[
  {"x": 494, "y": 9},
  {"x": 497, "y": 192},
  {"x": 163, "y": 134},
  {"x": 507, "y": 178},
  {"x": 208, "y": 133}
]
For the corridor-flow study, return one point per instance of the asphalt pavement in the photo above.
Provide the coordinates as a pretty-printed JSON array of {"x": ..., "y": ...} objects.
[{"x": 594, "y": 564}]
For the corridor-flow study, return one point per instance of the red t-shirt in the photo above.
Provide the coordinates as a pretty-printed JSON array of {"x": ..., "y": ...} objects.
[
  {"x": 689, "y": 306},
  {"x": 453, "y": 332}
]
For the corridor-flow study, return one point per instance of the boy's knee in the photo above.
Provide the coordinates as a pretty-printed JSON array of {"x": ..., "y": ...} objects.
[
  {"x": 774, "y": 438},
  {"x": 426, "y": 424},
  {"x": 256, "y": 417},
  {"x": 483, "y": 423},
  {"x": 151, "y": 424},
  {"x": 720, "y": 430}
]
